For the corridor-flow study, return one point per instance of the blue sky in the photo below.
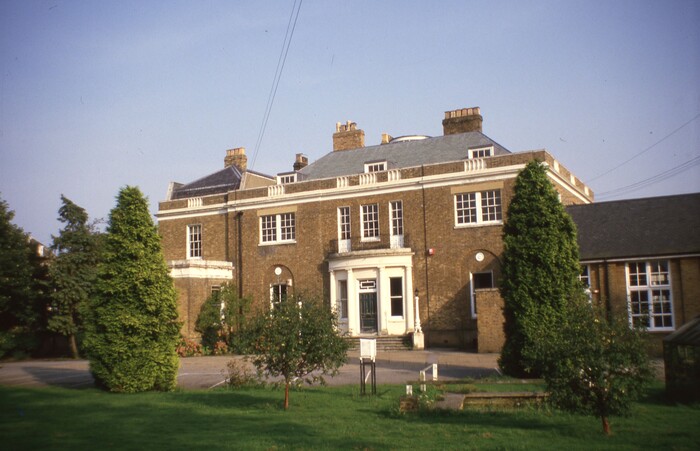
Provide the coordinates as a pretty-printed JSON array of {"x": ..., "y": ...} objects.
[{"x": 96, "y": 95}]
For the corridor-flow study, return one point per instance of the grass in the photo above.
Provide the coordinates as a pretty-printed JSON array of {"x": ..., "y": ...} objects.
[{"x": 319, "y": 418}]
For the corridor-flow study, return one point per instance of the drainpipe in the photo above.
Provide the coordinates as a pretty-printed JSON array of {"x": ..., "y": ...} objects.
[
  {"x": 239, "y": 218},
  {"x": 425, "y": 244}
]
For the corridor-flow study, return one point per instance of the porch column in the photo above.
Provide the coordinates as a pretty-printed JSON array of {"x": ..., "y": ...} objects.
[
  {"x": 408, "y": 298},
  {"x": 383, "y": 307},
  {"x": 334, "y": 299},
  {"x": 353, "y": 306}
]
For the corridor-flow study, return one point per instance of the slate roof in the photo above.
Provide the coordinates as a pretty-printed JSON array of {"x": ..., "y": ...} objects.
[
  {"x": 219, "y": 182},
  {"x": 653, "y": 226},
  {"x": 400, "y": 154}
]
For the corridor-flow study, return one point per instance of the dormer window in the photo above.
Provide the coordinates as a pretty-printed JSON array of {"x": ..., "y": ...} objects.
[
  {"x": 481, "y": 152},
  {"x": 283, "y": 179},
  {"x": 375, "y": 166}
]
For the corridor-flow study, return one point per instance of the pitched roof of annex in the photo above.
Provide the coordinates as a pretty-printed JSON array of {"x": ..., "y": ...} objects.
[
  {"x": 222, "y": 181},
  {"x": 638, "y": 228}
]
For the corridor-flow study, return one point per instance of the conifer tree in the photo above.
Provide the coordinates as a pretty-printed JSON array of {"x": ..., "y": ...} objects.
[
  {"x": 72, "y": 272},
  {"x": 540, "y": 268},
  {"x": 132, "y": 330}
]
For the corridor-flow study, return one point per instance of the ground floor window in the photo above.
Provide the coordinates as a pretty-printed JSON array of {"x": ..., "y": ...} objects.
[
  {"x": 396, "y": 294},
  {"x": 278, "y": 293},
  {"x": 649, "y": 294},
  {"x": 479, "y": 280},
  {"x": 343, "y": 299}
]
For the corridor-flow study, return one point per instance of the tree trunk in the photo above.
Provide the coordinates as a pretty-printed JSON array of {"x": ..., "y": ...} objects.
[
  {"x": 286, "y": 395},
  {"x": 606, "y": 425},
  {"x": 73, "y": 346}
]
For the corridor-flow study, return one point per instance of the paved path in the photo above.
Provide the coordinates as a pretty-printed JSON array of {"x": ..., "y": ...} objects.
[{"x": 209, "y": 372}]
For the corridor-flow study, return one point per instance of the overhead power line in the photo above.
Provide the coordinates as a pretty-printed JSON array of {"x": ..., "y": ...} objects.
[
  {"x": 652, "y": 180},
  {"x": 645, "y": 150},
  {"x": 291, "y": 26}
]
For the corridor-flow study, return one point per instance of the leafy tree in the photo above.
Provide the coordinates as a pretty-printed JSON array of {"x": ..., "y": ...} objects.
[
  {"x": 131, "y": 330},
  {"x": 595, "y": 365},
  {"x": 20, "y": 295},
  {"x": 296, "y": 339},
  {"x": 73, "y": 272},
  {"x": 223, "y": 318},
  {"x": 540, "y": 268}
]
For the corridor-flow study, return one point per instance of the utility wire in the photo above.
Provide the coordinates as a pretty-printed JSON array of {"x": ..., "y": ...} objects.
[
  {"x": 278, "y": 75},
  {"x": 645, "y": 150},
  {"x": 652, "y": 180}
]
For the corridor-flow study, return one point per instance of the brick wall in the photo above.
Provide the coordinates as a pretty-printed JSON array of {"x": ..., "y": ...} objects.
[{"x": 490, "y": 320}]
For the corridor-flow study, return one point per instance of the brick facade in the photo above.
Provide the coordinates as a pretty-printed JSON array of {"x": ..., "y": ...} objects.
[{"x": 438, "y": 259}]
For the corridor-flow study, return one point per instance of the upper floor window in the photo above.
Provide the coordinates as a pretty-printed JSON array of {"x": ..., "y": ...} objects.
[
  {"x": 283, "y": 179},
  {"x": 396, "y": 212},
  {"x": 376, "y": 166},
  {"x": 194, "y": 241},
  {"x": 279, "y": 228},
  {"x": 649, "y": 294},
  {"x": 478, "y": 208},
  {"x": 344, "y": 223},
  {"x": 370, "y": 222},
  {"x": 481, "y": 152}
]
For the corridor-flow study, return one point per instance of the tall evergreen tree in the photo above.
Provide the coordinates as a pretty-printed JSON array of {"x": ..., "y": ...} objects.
[
  {"x": 73, "y": 272},
  {"x": 131, "y": 332},
  {"x": 540, "y": 268},
  {"x": 20, "y": 318}
]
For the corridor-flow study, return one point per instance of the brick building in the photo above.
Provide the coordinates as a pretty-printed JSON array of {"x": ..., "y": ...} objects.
[
  {"x": 641, "y": 259},
  {"x": 402, "y": 238}
]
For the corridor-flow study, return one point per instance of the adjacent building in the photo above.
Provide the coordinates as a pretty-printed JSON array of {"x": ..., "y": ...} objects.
[
  {"x": 641, "y": 259},
  {"x": 403, "y": 238}
]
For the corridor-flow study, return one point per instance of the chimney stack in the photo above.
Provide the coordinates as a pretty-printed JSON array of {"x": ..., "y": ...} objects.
[
  {"x": 301, "y": 162},
  {"x": 347, "y": 136},
  {"x": 462, "y": 121},
  {"x": 386, "y": 138},
  {"x": 236, "y": 157}
]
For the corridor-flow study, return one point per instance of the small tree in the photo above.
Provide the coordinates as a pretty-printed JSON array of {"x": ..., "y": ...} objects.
[
  {"x": 540, "y": 268},
  {"x": 595, "y": 365},
  {"x": 132, "y": 332},
  {"x": 73, "y": 272},
  {"x": 296, "y": 339},
  {"x": 223, "y": 318}
]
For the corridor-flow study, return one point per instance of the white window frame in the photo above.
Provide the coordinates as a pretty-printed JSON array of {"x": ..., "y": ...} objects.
[
  {"x": 284, "y": 179},
  {"x": 483, "y": 204},
  {"x": 276, "y": 228},
  {"x": 344, "y": 229},
  {"x": 481, "y": 152},
  {"x": 396, "y": 223},
  {"x": 194, "y": 242},
  {"x": 651, "y": 288},
  {"x": 375, "y": 166},
  {"x": 369, "y": 222}
]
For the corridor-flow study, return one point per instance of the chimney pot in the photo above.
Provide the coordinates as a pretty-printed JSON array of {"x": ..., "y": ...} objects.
[
  {"x": 301, "y": 161},
  {"x": 348, "y": 136},
  {"x": 236, "y": 157},
  {"x": 462, "y": 121}
]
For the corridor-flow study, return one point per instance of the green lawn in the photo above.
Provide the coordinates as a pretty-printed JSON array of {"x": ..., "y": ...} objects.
[{"x": 319, "y": 418}]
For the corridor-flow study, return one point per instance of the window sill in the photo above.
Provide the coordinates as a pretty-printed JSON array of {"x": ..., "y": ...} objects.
[
  {"x": 478, "y": 224},
  {"x": 276, "y": 243},
  {"x": 370, "y": 240}
]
